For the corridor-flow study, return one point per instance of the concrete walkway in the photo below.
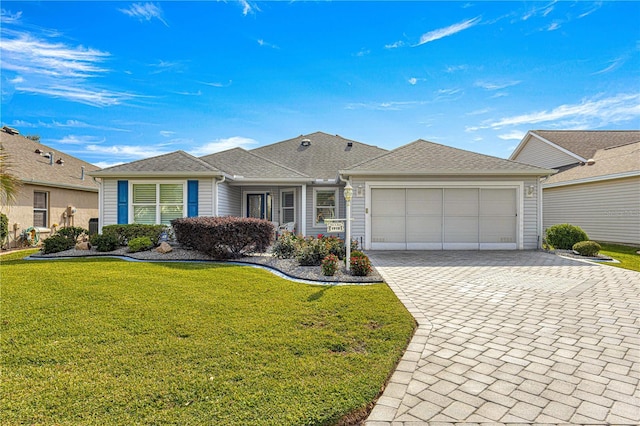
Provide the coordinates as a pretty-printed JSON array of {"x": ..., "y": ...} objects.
[{"x": 513, "y": 337}]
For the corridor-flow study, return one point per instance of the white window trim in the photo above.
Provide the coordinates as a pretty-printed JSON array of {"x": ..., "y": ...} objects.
[
  {"x": 157, "y": 184},
  {"x": 45, "y": 210},
  {"x": 337, "y": 204},
  {"x": 244, "y": 201},
  {"x": 281, "y": 210}
]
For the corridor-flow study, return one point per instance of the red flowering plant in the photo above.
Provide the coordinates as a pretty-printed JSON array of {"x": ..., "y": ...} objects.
[
  {"x": 330, "y": 265},
  {"x": 360, "y": 264}
]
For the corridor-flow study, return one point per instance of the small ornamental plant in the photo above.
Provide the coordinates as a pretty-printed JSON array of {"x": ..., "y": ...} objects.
[
  {"x": 330, "y": 265},
  {"x": 360, "y": 264},
  {"x": 587, "y": 248}
]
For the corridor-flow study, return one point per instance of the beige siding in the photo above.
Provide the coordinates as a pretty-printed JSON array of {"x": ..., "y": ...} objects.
[
  {"x": 20, "y": 213},
  {"x": 541, "y": 154},
  {"x": 606, "y": 210}
]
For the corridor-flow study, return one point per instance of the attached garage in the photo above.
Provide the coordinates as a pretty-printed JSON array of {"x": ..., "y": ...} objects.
[{"x": 428, "y": 218}]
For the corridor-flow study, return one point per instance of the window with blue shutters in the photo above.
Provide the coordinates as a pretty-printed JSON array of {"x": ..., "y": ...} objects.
[{"x": 123, "y": 202}]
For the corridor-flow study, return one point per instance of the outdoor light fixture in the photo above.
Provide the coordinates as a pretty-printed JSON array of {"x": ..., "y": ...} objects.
[{"x": 348, "y": 194}]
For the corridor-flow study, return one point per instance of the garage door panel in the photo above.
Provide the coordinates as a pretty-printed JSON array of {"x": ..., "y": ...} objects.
[
  {"x": 498, "y": 229},
  {"x": 424, "y": 229},
  {"x": 388, "y": 229},
  {"x": 461, "y": 202},
  {"x": 388, "y": 202},
  {"x": 461, "y": 230},
  {"x": 497, "y": 202},
  {"x": 424, "y": 201}
]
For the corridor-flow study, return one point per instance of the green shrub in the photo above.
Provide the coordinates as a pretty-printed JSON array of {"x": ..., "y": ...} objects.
[
  {"x": 360, "y": 264},
  {"x": 563, "y": 236},
  {"x": 127, "y": 232},
  {"x": 330, "y": 265},
  {"x": 140, "y": 244},
  {"x": 224, "y": 237},
  {"x": 311, "y": 252},
  {"x": 4, "y": 227},
  {"x": 104, "y": 242},
  {"x": 56, "y": 244},
  {"x": 285, "y": 246},
  {"x": 71, "y": 232},
  {"x": 587, "y": 248}
]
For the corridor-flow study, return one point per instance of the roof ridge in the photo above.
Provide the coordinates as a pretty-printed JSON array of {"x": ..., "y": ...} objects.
[
  {"x": 198, "y": 159},
  {"x": 238, "y": 148}
]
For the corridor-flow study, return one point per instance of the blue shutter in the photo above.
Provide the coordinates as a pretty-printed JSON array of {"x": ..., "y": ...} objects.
[
  {"x": 192, "y": 198},
  {"x": 123, "y": 202}
]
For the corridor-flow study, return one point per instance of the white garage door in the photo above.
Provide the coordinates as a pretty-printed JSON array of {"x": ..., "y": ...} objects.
[{"x": 443, "y": 218}]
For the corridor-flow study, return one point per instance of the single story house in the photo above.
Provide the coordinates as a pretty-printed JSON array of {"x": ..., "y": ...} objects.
[
  {"x": 597, "y": 186},
  {"x": 55, "y": 188},
  {"x": 420, "y": 196}
]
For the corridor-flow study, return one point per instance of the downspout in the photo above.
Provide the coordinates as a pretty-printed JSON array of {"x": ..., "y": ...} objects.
[{"x": 216, "y": 201}]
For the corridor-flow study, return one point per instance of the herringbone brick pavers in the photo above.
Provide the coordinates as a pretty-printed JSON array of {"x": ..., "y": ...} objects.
[{"x": 513, "y": 337}]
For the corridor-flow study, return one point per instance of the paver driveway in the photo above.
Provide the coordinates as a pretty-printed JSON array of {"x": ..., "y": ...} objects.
[{"x": 513, "y": 337}]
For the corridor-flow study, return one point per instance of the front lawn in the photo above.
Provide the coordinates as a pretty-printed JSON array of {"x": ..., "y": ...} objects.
[
  {"x": 105, "y": 341},
  {"x": 626, "y": 255}
]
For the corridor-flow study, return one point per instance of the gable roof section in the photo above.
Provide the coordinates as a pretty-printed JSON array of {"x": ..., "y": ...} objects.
[
  {"x": 177, "y": 163},
  {"x": 581, "y": 144},
  {"x": 241, "y": 164},
  {"x": 33, "y": 168},
  {"x": 427, "y": 158},
  {"x": 322, "y": 157},
  {"x": 610, "y": 163}
]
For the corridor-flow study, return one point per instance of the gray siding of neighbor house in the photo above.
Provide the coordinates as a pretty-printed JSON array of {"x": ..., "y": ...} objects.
[
  {"x": 542, "y": 154},
  {"x": 531, "y": 222},
  {"x": 606, "y": 210},
  {"x": 229, "y": 200}
]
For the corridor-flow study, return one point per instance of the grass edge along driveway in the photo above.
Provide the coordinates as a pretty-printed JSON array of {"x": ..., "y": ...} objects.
[{"x": 105, "y": 341}]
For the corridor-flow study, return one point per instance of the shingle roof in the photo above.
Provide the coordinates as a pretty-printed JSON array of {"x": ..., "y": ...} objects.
[
  {"x": 614, "y": 161},
  {"x": 425, "y": 158},
  {"x": 585, "y": 143},
  {"x": 177, "y": 162},
  {"x": 322, "y": 158},
  {"x": 30, "y": 167},
  {"x": 240, "y": 163}
]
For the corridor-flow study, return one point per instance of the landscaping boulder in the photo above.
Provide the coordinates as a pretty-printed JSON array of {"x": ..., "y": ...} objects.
[
  {"x": 164, "y": 247},
  {"x": 84, "y": 245}
]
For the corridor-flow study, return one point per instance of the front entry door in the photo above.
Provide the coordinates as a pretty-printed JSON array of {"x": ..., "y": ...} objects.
[{"x": 255, "y": 206}]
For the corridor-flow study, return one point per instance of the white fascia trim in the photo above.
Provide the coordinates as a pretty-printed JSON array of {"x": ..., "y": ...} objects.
[
  {"x": 521, "y": 145},
  {"x": 157, "y": 175},
  {"x": 59, "y": 185},
  {"x": 559, "y": 148},
  {"x": 593, "y": 179},
  {"x": 288, "y": 181},
  {"x": 517, "y": 185},
  {"x": 436, "y": 173}
]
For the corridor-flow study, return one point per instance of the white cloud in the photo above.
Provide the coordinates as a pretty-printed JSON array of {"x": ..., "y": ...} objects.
[
  {"x": 217, "y": 83},
  {"x": 6, "y": 17},
  {"x": 223, "y": 144},
  {"x": 590, "y": 113},
  {"x": 513, "y": 135},
  {"x": 454, "y": 68},
  {"x": 263, "y": 43},
  {"x": 394, "y": 45},
  {"x": 145, "y": 12},
  {"x": 248, "y": 7},
  {"x": 16, "y": 80},
  {"x": 384, "y": 106},
  {"x": 79, "y": 140},
  {"x": 613, "y": 65},
  {"x": 553, "y": 26},
  {"x": 126, "y": 151},
  {"x": 447, "y": 31},
  {"x": 496, "y": 85},
  {"x": 167, "y": 133},
  {"x": 413, "y": 81},
  {"x": 89, "y": 96}
]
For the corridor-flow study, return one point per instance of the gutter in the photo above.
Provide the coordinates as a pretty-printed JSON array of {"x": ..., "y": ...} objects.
[{"x": 59, "y": 185}]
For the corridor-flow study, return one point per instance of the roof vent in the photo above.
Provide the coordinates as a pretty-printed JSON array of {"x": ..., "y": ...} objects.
[
  {"x": 349, "y": 144},
  {"x": 591, "y": 162},
  {"x": 305, "y": 142},
  {"x": 38, "y": 151},
  {"x": 10, "y": 130}
]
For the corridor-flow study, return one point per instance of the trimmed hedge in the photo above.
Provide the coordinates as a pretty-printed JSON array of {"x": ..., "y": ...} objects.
[
  {"x": 104, "y": 242},
  {"x": 57, "y": 243},
  {"x": 127, "y": 232},
  {"x": 140, "y": 244},
  {"x": 587, "y": 248},
  {"x": 563, "y": 236},
  {"x": 72, "y": 232},
  {"x": 224, "y": 237}
]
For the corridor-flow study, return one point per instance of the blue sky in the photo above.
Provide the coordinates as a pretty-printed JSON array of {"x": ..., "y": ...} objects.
[{"x": 112, "y": 82}]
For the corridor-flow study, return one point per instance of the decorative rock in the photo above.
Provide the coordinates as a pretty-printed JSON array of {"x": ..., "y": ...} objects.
[
  {"x": 82, "y": 238},
  {"x": 164, "y": 248},
  {"x": 83, "y": 246}
]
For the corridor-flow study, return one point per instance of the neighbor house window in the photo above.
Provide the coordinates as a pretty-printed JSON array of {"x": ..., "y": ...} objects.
[
  {"x": 40, "y": 209},
  {"x": 325, "y": 205},
  {"x": 287, "y": 199},
  {"x": 157, "y": 203}
]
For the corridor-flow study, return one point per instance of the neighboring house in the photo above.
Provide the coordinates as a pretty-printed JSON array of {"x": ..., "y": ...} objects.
[
  {"x": 422, "y": 195},
  {"x": 55, "y": 188},
  {"x": 598, "y": 183}
]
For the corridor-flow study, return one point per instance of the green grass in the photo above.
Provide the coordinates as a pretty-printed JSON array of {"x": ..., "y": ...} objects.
[
  {"x": 105, "y": 341},
  {"x": 626, "y": 255}
]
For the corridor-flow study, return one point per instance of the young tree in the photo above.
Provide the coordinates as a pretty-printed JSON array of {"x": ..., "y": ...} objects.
[{"x": 8, "y": 182}]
